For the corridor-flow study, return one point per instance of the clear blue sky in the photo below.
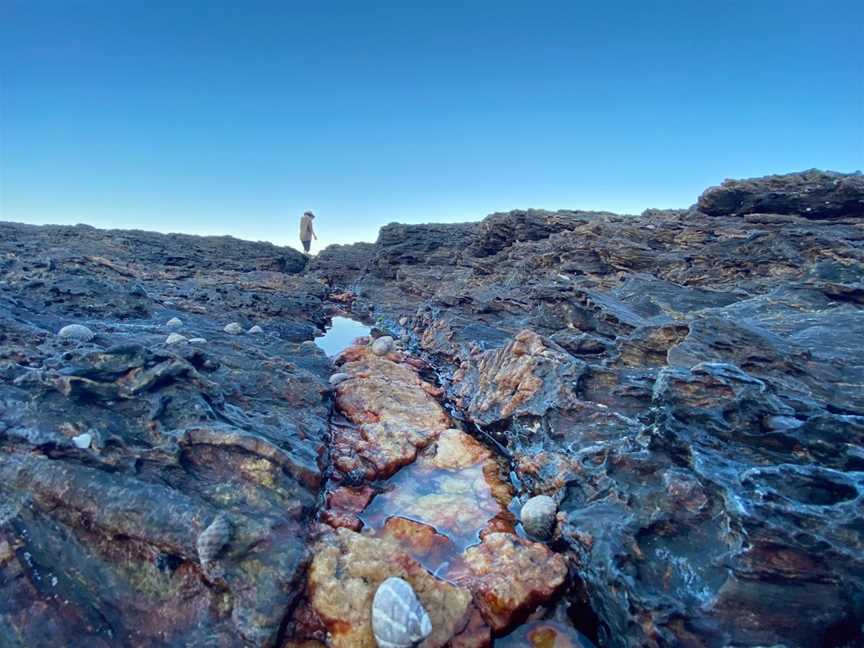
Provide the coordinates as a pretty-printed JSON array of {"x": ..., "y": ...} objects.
[{"x": 233, "y": 117}]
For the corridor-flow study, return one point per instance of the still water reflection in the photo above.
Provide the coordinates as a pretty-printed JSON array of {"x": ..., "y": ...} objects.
[{"x": 342, "y": 332}]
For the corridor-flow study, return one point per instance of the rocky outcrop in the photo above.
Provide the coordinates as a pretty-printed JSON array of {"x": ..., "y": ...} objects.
[
  {"x": 683, "y": 388},
  {"x": 811, "y": 194},
  {"x": 102, "y": 542},
  {"x": 686, "y": 384}
]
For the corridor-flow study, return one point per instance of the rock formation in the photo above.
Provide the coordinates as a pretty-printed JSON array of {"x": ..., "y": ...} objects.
[
  {"x": 686, "y": 385},
  {"x": 690, "y": 381}
]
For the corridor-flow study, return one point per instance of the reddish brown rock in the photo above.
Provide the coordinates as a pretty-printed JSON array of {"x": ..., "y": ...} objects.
[
  {"x": 510, "y": 577},
  {"x": 344, "y": 297},
  {"x": 527, "y": 376},
  {"x": 393, "y": 411}
]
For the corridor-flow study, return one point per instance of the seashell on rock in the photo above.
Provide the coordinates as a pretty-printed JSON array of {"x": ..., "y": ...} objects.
[
  {"x": 198, "y": 340},
  {"x": 76, "y": 332},
  {"x": 174, "y": 322},
  {"x": 213, "y": 539},
  {"x": 337, "y": 378},
  {"x": 175, "y": 338},
  {"x": 538, "y": 516},
  {"x": 233, "y": 328},
  {"x": 383, "y": 345},
  {"x": 398, "y": 618},
  {"x": 403, "y": 321}
]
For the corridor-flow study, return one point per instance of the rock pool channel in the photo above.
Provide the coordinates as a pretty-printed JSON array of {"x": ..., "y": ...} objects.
[{"x": 414, "y": 496}]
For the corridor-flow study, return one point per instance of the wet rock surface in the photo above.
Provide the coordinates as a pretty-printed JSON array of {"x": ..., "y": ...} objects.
[
  {"x": 686, "y": 383},
  {"x": 686, "y": 386},
  {"x": 101, "y": 541}
]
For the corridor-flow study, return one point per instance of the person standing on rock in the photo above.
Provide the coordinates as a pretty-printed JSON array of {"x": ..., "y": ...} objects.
[{"x": 307, "y": 232}]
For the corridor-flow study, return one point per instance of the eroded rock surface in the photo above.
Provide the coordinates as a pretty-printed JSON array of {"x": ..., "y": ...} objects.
[
  {"x": 688, "y": 385},
  {"x": 98, "y": 540}
]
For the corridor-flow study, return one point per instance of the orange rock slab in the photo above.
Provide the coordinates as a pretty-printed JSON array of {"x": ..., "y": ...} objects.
[
  {"x": 510, "y": 577},
  {"x": 394, "y": 411}
]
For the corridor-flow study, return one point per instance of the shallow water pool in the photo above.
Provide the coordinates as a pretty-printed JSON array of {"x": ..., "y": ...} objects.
[{"x": 342, "y": 332}]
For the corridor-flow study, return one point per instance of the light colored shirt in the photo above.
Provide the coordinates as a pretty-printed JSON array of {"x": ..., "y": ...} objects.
[{"x": 306, "y": 230}]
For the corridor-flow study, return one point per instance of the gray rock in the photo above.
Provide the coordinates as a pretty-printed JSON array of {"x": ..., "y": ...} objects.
[
  {"x": 255, "y": 330},
  {"x": 337, "y": 378},
  {"x": 538, "y": 516},
  {"x": 383, "y": 345},
  {"x": 812, "y": 194},
  {"x": 233, "y": 328},
  {"x": 403, "y": 321},
  {"x": 76, "y": 332},
  {"x": 176, "y": 338},
  {"x": 82, "y": 440},
  {"x": 174, "y": 322}
]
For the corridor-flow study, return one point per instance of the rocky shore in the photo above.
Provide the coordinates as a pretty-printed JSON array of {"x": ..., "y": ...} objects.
[{"x": 685, "y": 386}]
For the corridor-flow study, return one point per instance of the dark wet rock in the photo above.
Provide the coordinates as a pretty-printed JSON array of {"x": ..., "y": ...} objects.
[
  {"x": 98, "y": 539},
  {"x": 811, "y": 194}
]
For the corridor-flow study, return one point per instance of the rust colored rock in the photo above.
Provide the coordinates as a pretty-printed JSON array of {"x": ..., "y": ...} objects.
[
  {"x": 345, "y": 573},
  {"x": 394, "y": 413},
  {"x": 510, "y": 577},
  {"x": 341, "y": 519},
  {"x": 343, "y": 505},
  {"x": 344, "y": 297},
  {"x": 350, "y": 499},
  {"x": 527, "y": 376}
]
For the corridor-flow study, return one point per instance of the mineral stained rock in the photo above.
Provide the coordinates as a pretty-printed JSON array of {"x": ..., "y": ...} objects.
[
  {"x": 392, "y": 413},
  {"x": 690, "y": 381}
]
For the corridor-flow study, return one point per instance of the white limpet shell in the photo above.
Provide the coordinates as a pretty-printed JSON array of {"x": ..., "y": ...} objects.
[{"x": 399, "y": 620}]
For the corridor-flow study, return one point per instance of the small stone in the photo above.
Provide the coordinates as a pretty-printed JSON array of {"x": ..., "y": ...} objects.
[
  {"x": 76, "y": 332},
  {"x": 403, "y": 321},
  {"x": 82, "y": 440},
  {"x": 538, "y": 516},
  {"x": 198, "y": 340},
  {"x": 233, "y": 328},
  {"x": 174, "y": 322},
  {"x": 337, "y": 378},
  {"x": 383, "y": 345},
  {"x": 255, "y": 329},
  {"x": 176, "y": 338}
]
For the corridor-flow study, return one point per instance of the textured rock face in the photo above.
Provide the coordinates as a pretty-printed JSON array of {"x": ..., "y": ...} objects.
[
  {"x": 812, "y": 194},
  {"x": 687, "y": 383},
  {"x": 98, "y": 539},
  {"x": 391, "y": 410}
]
